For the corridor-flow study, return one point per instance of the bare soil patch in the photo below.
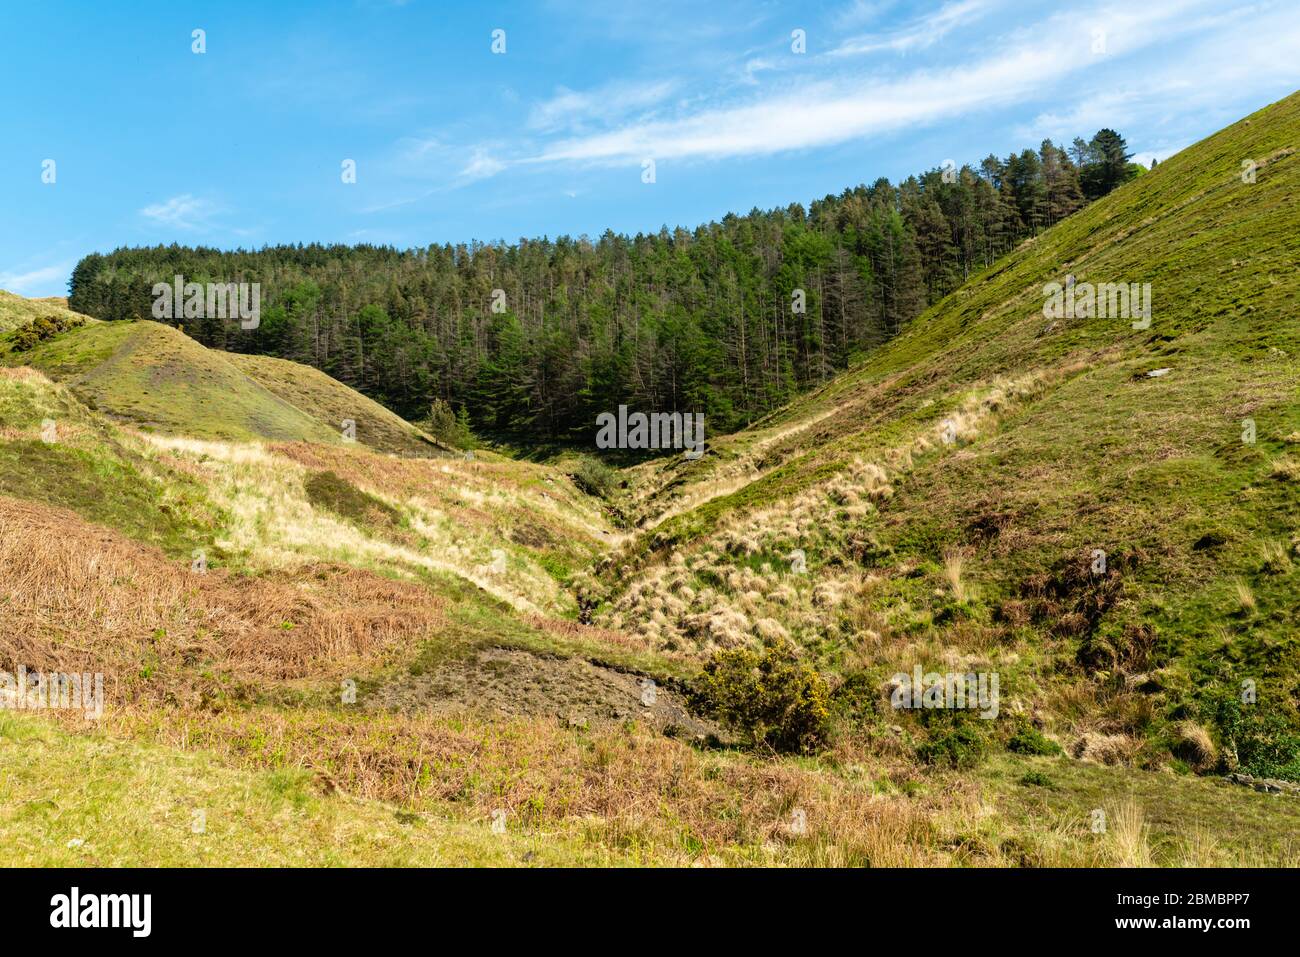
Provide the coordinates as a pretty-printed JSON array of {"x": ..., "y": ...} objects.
[{"x": 521, "y": 683}]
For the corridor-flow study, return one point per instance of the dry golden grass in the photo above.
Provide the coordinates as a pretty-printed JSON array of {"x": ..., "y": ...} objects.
[
  {"x": 652, "y": 598},
  {"x": 1285, "y": 469},
  {"x": 1128, "y": 835},
  {"x": 480, "y": 491},
  {"x": 618, "y": 783},
  {"x": 25, "y": 374},
  {"x": 1275, "y": 555},
  {"x": 273, "y": 525},
  {"x": 1245, "y": 597},
  {"x": 1108, "y": 749},
  {"x": 1199, "y": 848},
  {"x": 1194, "y": 745},
  {"x": 564, "y": 628},
  {"x": 953, "y": 560},
  {"x": 79, "y": 597}
]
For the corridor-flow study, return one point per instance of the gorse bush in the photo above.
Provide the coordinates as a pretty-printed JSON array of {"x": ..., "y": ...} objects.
[
  {"x": 769, "y": 695},
  {"x": 42, "y": 329}
]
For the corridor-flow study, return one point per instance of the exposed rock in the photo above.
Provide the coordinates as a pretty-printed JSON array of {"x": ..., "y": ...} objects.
[{"x": 1266, "y": 785}]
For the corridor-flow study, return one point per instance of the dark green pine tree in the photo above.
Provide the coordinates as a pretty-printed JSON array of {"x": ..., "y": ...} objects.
[{"x": 1107, "y": 165}]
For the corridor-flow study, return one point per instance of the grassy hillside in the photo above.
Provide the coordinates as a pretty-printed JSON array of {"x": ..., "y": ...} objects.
[
  {"x": 15, "y": 310},
  {"x": 57, "y": 452},
  {"x": 331, "y": 402},
  {"x": 979, "y": 551},
  {"x": 385, "y": 654},
  {"x": 157, "y": 379}
]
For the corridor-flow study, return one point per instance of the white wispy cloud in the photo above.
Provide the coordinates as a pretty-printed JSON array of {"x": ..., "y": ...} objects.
[
  {"x": 922, "y": 33},
  {"x": 181, "y": 212},
  {"x": 1051, "y": 57},
  {"x": 822, "y": 113},
  {"x": 43, "y": 281},
  {"x": 1160, "y": 98},
  {"x": 858, "y": 12},
  {"x": 424, "y": 166},
  {"x": 481, "y": 165},
  {"x": 569, "y": 109},
  {"x": 754, "y": 66},
  {"x": 1154, "y": 61}
]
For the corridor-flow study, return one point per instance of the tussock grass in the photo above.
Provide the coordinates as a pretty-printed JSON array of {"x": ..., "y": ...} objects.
[
  {"x": 1285, "y": 469},
  {"x": 953, "y": 562},
  {"x": 274, "y": 524},
  {"x": 1128, "y": 835},
  {"x": 1245, "y": 597}
]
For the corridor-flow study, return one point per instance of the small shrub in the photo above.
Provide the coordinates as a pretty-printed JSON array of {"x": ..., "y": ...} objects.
[
  {"x": 41, "y": 329},
  {"x": 25, "y": 338},
  {"x": 1116, "y": 648},
  {"x": 1012, "y": 612},
  {"x": 594, "y": 477},
  {"x": 1037, "y": 779},
  {"x": 854, "y": 700},
  {"x": 960, "y": 746},
  {"x": 1256, "y": 740},
  {"x": 1029, "y": 740},
  {"x": 1072, "y": 599},
  {"x": 768, "y": 695}
]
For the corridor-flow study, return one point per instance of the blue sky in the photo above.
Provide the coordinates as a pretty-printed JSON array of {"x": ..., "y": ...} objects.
[{"x": 243, "y": 145}]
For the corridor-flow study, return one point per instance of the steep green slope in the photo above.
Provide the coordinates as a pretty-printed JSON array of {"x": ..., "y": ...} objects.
[
  {"x": 54, "y": 451},
  {"x": 331, "y": 402},
  {"x": 954, "y": 494},
  {"x": 159, "y": 379}
]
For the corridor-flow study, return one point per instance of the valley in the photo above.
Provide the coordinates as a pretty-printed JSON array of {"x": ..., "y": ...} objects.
[{"x": 360, "y": 646}]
